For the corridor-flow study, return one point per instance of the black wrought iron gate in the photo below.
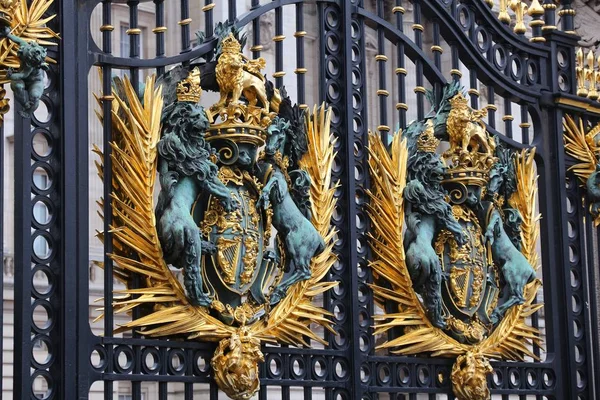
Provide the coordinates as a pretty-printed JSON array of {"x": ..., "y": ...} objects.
[{"x": 371, "y": 60}]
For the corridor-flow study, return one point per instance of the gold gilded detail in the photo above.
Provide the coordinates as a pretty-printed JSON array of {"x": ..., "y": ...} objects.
[
  {"x": 471, "y": 149},
  {"x": 249, "y": 258},
  {"x": 235, "y": 364},
  {"x": 469, "y": 377},
  {"x": 513, "y": 337},
  {"x": 581, "y": 73},
  {"x": 583, "y": 145},
  {"x": 427, "y": 141},
  {"x": 4, "y": 106},
  {"x": 189, "y": 89},
  {"x": 228, "y": 253},
  {"x": 29, "y": 21},
  {"x": 519, "y": 8}
]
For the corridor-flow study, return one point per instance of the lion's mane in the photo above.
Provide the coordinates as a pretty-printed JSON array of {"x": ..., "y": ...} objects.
[
  {"x": 425, "y": 194},
  {"x": 183, "y": 145},
  {"x": 33, "y": 53}
]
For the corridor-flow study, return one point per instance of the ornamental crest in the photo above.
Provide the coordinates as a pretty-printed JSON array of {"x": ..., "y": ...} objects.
[
  {"x": 243, "y": 210},
  {"x": 453, "y": 238}
]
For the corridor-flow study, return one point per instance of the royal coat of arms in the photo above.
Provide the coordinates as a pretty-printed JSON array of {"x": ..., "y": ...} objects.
[
  {"x": 243, "y": 211},
  {"x": 453, "y": 238}
]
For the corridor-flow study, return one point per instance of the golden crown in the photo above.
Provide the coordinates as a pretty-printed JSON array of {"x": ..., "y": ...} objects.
[
  {"x": 468, "y": 165},
  {"x": 427, "y": 142},
  {"x": 231, "y": 45},
  {"x": 459, "y": 101},
  {"x": 189, "y": 89}
]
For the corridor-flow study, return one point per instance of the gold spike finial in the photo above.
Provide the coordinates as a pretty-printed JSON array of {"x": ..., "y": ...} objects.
[
  {"x": 535, "y": 9},
  {"x": 580, "y": 71},
  {"x": 519, "y": 8},
  {"x": 591, "y": 75}
]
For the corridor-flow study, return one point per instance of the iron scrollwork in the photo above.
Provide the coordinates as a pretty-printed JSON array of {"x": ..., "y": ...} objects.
[
  {"x": 230, "y": 175},
  {"x": 463, "y": 273}
]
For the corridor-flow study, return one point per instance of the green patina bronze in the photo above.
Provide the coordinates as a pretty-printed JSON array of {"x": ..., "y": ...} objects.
[
  {"x": 27, "y": 83},
  {"x": 186, "y": 171},
  {"x": 593, "y": 190},
  {"x": 291, "y": 204}
]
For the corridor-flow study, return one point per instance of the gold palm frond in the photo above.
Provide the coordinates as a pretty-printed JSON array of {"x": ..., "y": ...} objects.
[
  {"x": 134, "y": 156},
  {"x": 290, "y": 320},
  {"x": 513, "y": 338},
  {"x": 386, "y": 211},
  {"x": 28, "y": 21},
  {"x": 582, "y": 146}
]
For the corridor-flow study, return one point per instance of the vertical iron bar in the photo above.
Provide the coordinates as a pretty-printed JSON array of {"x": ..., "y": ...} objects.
[
  {"x": 436, "y": 48},
  {"x": 159, "y": 30},
  {"x": 107, "y": 28},
  {"x": 491, "y": 107},
  {"x": 473, "y": 92},
  {"x": 524, "y": 125},
  {"x": 356, "y": 357},
  {"x": 381, "y": 60},
  {"x": 549, "y": 16},
  {"x": 455, "y": 71},
  {"x": 300, "y": 64},
  {"x": 134, "y": 41},
  {"x": 232, "y": 10},
  {"x": 256, "y": 46},
  {"x": 185, "y": 26},
  {"x": 208, "y": 17},
  {"x": 22, "y": 258},
  {"x": 418, "y": 31},
  {"x": 401, "y": 106},
  {"x": 278, "y": 39},
  {"x": 508, "y": 118}
]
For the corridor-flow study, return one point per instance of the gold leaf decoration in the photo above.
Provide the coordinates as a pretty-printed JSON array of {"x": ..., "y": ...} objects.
[
  {"x": 136, "y": 132},
  {"x": 584, "y": 147},
  {"x": 386, "y": 210},
  {"x": 134, "y": 156},
  {"x": 27, "y": 21}
]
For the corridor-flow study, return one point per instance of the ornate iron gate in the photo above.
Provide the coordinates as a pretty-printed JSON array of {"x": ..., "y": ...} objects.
[{"x": 374, "y": 61}]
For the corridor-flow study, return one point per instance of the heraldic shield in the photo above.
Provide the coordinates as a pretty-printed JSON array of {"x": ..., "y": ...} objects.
[
  {"x": 240, "y": 239},
  {"x": 470, "y": 281}
]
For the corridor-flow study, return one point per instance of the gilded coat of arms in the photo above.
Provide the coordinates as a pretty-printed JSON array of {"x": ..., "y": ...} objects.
[
  {"x": 454, "y": 236},
  {"x": 243, "y": 211}
]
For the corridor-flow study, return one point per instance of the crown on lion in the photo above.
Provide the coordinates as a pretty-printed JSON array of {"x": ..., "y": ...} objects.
[
  {"x": 231, "y": 44},
  {"x": 427, "y": 142},
  {"x": 189, "y": 89}
]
